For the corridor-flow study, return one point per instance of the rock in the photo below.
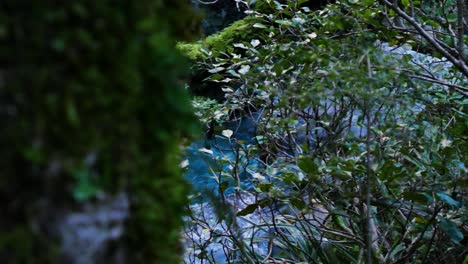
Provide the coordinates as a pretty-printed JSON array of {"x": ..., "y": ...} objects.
[
  {"x": 88, "y": 234},
  {"x": 219, "y": 13}
]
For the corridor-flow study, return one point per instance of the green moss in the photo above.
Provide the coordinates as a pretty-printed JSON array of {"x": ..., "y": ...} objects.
[
  {"x": 269, "y": 6},
  {"x": 222, "y": 41},
  {"x": 237, "y": 32},
  {"x": 191, "y": 50},
  {"x": 26, "y": 247}
]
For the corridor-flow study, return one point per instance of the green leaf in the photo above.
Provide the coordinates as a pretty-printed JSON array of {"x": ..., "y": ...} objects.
[
  {"x": 407, "y": 57},
  {"x": 244, "y": 69},
  {"x": 307, "y": 165},
  {"x": 248, "y": 210},
  {"x": 339, "y": 220},
  {"x": 59, "y": 44},
  {"x": 289, "y": 177},
  {"x": 214, "y": 78},
  {"x": 240, "y": 45},
  {"x": 84, "y": 187},
  {"x": 202, "y": 255},
  {"x": 417, "y": 197},
  {"x": 252, "y": 207},
  {"x": 447, "y": 199},
  {"x": 234, "y": 73},
  {"x": 217, "y": 69},
  {"x": 451, "y": 229},
  {"x": 34, "y": 154},
  {"x": 223, "y": 186},
  {"x": 84, "y": 190},
  {"x": 72, "y": 113},
  {"x": 284, "y": 22},
  {"x": 452, "y": 17},
  {"x": 264, "y": 187},
  {"x": 397, "y": 249},
  {"x": 298, "y": 203},
  {"x": 259, "y": 25}
]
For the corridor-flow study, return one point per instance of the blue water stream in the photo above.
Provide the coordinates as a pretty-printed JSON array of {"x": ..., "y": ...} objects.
[{"x": 211, "y": 162}]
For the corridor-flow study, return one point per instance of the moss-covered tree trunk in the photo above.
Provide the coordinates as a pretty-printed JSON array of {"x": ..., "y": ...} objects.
[{"x": 92, "y": 78}]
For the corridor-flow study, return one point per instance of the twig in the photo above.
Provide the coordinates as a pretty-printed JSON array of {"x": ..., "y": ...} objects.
[{"x": 459, "y": 63}]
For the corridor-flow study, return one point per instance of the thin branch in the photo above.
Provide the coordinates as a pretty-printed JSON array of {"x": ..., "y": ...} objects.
[
  {"x": 459, "y": 63},
  {"x": 369, "y": 223},
  {"x": 457, "y": 88},
  {"x": 461, "y": 30},
  {"x": 416, "y": 243}
]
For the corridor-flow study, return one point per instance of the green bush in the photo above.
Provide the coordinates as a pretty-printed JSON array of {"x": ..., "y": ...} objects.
[
  {"x": 359, "y": 158},
  {"x": 90, "y": 78}
]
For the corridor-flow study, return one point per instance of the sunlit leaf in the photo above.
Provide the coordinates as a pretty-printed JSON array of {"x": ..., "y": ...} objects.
[
  {"x": 234, "y": 73},
  {"x": 312, "y": 35},
  {"x": 205, "y": 150},
  {"x": 259, "y": 25},
  {"x": 184, "y": 163},
  {"x": 217, "y": 69},
  {"x": 240, "y": 45},
  {"x": 244, "y": 69},
  {"x": 255, "y": 42},
  {"x": 227, "y": 90},
  {"x": 227, "y": 133},
  {"x": 447, "y": 199}
]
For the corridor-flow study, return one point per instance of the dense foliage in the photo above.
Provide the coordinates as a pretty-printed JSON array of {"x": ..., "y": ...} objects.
[
  {"x": 350, "y": 123},
  {"x": 91, "y": 101}
]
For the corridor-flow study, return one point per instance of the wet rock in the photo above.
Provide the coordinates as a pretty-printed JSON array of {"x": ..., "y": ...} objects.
[
  {"x": 219, "y": 13},
  {"x": 90, "y": 235}
]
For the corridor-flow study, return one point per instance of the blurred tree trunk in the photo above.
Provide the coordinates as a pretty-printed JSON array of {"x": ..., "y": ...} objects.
[{"x": 91, "y": 105}]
